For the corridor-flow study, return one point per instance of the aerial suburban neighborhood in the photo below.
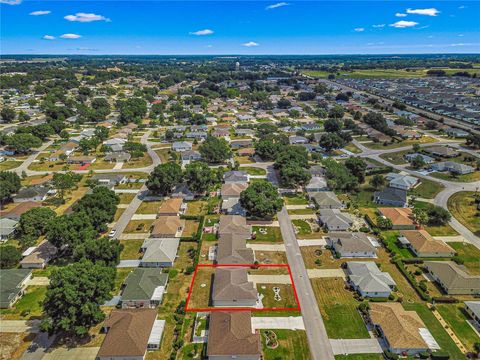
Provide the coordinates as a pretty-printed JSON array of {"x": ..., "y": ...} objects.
[{"x": 239, "y": 207}]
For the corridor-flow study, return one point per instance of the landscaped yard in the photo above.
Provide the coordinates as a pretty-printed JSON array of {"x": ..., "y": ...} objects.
[
  {"x": 253, "y": 170},
  {"x": 302, "y": 227},
  {"x": 138, "y": 226},
  {"x": 131, "y": 249},
  {"x": 298, "y": 199},
  {"x": 339, "y": 309},
  {"x": 392, "y": 244},
  {"x": 286, "y": 300},
  {"x": 463, "y": 208},
  {"x": 292, "y": 344},
  {"x": 396, "y": 158},
  {"x": 149, "y": 207},
  {"x": 268, "y": 234},
  {"x": 301, "y": 211},
  {"x": 456, "y": 318},
  {"x": 427, "y": 189},
  {"x": 440, "y": 335}
]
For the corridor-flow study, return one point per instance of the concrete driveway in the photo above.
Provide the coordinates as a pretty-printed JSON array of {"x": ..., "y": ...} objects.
[
  {"x": 312, "y": 242},
  {"x": 138, "y": 236},
  {"x": 19, "y": 326},
  {"x": 284, "y": 322},
  {"x": 270, "y": 279},
  {"x": 325, "y": 273},
  {"x": 72, "y": 354},
  {"x": 39, "y": 281},
  {"x": 128, "y": 264},
  {"x": 144, "y": 216},
  {"x": 355, "y": 346},
  {"x": 266, "y": 247}
]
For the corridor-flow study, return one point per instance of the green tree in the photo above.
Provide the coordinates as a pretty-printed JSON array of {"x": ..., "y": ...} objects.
[
  {"x": 68, "y": 231},
  {"x": 65, "y": 181},
  {"x": 332, "y": 125},
  {"x": 267, "y": 149},
  {"x": 73, "y": 299},
  {"x": 33, "y": 223},
  {"x": 23, "y": 143},
  {"x": 7, "y": 114},
  {"x": 339, "y": 177},
  {"x": 10, "y": 183},
  {"x": 378, "y": 181},
  {"x": 199, "y": 176},
  {"x": 132, "y": 110},
  {"x": 164, "y": 177},
  {"x": 331, "y": 141},
  {"x": 417, "y": 162},
  {"x": 104, "y": 250},
  {"x": 384, "y": 223},
  {"x": 101, "y": 132},
  {"x": 292, "y": 175},
  {"x": 420, "y": 216},
  {"x": 438, "y": 216},
  {"x": 9, "y": 256},
  {"x": 336, "y": 112},
  {"x": 357, "y": 168},
  {"x": 261, "y": 199},
  {"x": 215, "y": 150}
]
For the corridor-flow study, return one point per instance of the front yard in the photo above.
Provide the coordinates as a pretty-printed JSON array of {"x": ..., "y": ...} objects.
[{"x": 292, "y": 344}]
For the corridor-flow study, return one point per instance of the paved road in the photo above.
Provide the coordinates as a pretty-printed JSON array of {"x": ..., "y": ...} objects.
[
  {"x": 319, "y": 344},
  {"x": 24, "y": 166},
  {"x": 39, "y": 347},
  {"x": 127, "y": 215}
]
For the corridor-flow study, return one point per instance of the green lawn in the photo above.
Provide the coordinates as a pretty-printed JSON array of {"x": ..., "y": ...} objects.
[
  {"x": 253, "y": 170},
  {"x": 131, "y": 249},
  {"x": 463, "y": 208},
  {"x": 396, "y": 158},
  {"x": 470, "y": 254},
  {"x": 456, "y": 318},
  {"x": 359, "y": 357},
  {"x": 438, "y": 332},
  {"x": 301, "y": 211},
  {"x": 29, "y": 305},
  {"x": 273, "y": 234},
  {"x": 475, "y": 176},
  {"x": 339, "y": 309},
  {"x": 352, "y": 148},
  {"x": 302, "y": 226},
  {"x": 292, "y": 345},
  {"x": 391, "y": 240},
  {"x": 297, "y": 199},
  {"x": 9, "y": 164},
  {"x": 427, "y": 189}
]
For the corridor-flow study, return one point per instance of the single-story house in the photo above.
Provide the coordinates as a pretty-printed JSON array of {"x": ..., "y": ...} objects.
[
  {"x": 130, "y": 333},
  {"x": 232, "y": 288},
  {"x": 295, "y": 140},
  {"x": 335, "y": 220},
  {"x": 191, "y": 155},
  {"x": 144, "y": 288},
  {"x": 7, "y": 228},
  {"x": 367, "y": 279},
  {"x": 401, "y": 218},
  {"x": 242, "y": 143},
  {"x": 232, "y": 249},
  {"x": 453, "y": 167},
  {"x": 230, "y": 336},
  {"x": 235, "y": 176},
  {"x": 473, "y": 309},
  {"x": 167, "y": 227},
  {"x": 82, "y": 160},
  {"x": 404, "y": 182},
  {"x": 455, "y": 132},
  {"x": 182, "y": 191},
  {"x": 39, "y": 256},
  {"x": 234, "y": 224},
  {"x": 422, "y": 244},
  {"x": 32, "y": 193},
  {"x": 182, "y": 146},
  {"x": 391, "y": 196},
  {"x": 21, "y": 208},
  {"x": 246, "y": 152},
  {"x": 119, "y": 156},
  {"x": 426, "y": 159},
  {"x": 232, "y": 206},
  {"x": 441, "y": 151},
  {"x": 170, "y": 207},
  {"x": 404, "y": 332},
  {"x": 232, "y": 190},
  {"x": 453, "y": 278},
  {"x": 159, "y": 252},
  {"x": 14, "y": 283},
  {"x": 351, "y": 244},
  {"x": 326, "y": 200},
  {"x": 110, "y": 180},
  {"x": 316, "y": 184}
]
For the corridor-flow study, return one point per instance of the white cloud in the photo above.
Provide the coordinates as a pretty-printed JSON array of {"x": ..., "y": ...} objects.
[
  {"x": 461, "y": 7},
  {"x": 277, "y": 5},
  {"x": 400, "y": 15},
  {"x": 202, "y": 32},
  {"x": 250, "y": 44},
  {"x": 462, "y": 44},
  {"x": 379, "y": 26},
  {"x": 461, "y": 35},
  {"x": 85, "y": 17},
  {"x": 427, "y": 12},
  {"x": 404, "y": 24},
  {"x": 70, "y": 36},
  {"x": 359, "y": 29},
  {"x": 11, "y": 2},
  {"x": 48, "y": 37},
  {"x": 40, "y": 12}
]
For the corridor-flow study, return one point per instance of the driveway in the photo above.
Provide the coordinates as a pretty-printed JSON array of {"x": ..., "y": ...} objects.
[
  {"x": 19, "y": 326},
  {"x": 39, "y": 347},
  {"x": 312, "y": 242},
  {"x": 39, "y": 281},
  {"x": 144, "y": 216},
  {"x": 304, "y": 217},
  {"x": 138, "y": 236},
  {"x": 270, "y": 279},
  {"x": 325, "y": 273},
  {"x": 72, "y": 354},
  {"x": 355, "y": 346},
  {"x": 285, "y": 322},
  {"x": 266, "y": 247},
  {"x": 128, "y": 264}
]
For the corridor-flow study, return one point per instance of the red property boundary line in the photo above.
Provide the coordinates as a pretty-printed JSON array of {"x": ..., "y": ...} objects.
[{"x": 298, "y": 308}]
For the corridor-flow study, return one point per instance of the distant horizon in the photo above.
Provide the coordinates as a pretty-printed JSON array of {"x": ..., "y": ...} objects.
[
  {"x": 239, "y": 27},
  {"x": 247, "y": 55}
]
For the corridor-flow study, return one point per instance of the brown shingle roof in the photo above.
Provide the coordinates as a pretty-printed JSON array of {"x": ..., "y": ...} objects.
[
  {"x": 129, "y": 332},
  {"x": 170, "y": 206},
  {"x": 232, "y": 284},
  {"x": 398, "y": 216},
  {"x": 423, "y": 242},
  {"x": 232, "y": 249},
  {"x": 167, "y": 226},
  {"x": 20, "y": 209},
  {"x": 232, "y": 189},
  {"x": 230, "y": 333},
  {"x": 400, "y": 327},
  {"x": 234, "y": 224}
]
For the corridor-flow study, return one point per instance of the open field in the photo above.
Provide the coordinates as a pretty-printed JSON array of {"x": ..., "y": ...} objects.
[
  {"x": 149, "y": 207},
  {"x": 292, "y": 345},
  {"x": 463, "y": 207},
  {"x": 475, "y": 176},
  {"x": 427, "y": 189},
  {"x": 339, "y": 309}
]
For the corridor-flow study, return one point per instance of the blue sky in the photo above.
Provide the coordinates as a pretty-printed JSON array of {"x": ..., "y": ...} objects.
[{"x": 239, "y": 27}]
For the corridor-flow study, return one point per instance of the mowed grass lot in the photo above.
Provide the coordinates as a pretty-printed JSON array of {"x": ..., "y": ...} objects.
[
  {"x": 338, "y": 309},
  {"x": 475, "y": 176},
  {"x": 395, "y": 145},
  {"x": 470, "y": 254},
  {"x": 287, "y": 297},
  {"x": 295, "y": 200},
  {"x": 292, "y": 345},
  {"x": 396, "y": 158},
  {"x": 253, "y": 170},
  {"x": 29, "y": 305},
  {"x": 149, "y": 207},
  {"x": 463, "y": 207},
  {"x": 456, "y": 318},
  {"x": 131, "y": 249},
  {"x": 427, "y": 189},
  {"x": 272, "y": 235},
  {"x": 202, "y": 287},
  {"x": 436, "y": 329}
]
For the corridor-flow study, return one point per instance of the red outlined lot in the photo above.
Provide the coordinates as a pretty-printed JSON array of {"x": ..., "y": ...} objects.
[{"x": 187, "y": 309}]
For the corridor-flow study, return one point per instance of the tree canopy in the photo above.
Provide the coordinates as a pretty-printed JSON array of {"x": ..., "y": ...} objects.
[
  {"x": 215, "y": 150},
  {"x": 261, "y": 199},
  {"x": 164, "y": 177},
  {"x": 22, "y": 143}
]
